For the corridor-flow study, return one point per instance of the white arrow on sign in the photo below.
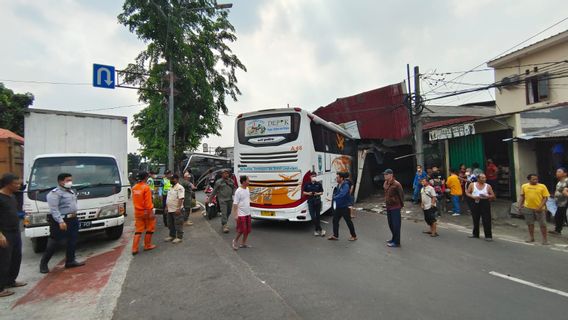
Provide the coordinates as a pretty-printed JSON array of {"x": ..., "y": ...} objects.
[{"x": 108, "y": 81}]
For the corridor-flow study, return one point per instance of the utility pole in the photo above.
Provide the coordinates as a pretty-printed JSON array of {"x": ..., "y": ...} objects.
[
  {"x": 418, "y": 134},
  {"x": 171, "y": 119}
]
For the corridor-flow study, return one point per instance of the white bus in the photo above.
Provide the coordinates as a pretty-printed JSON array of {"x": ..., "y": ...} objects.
[{"x": 278, "y": 149}]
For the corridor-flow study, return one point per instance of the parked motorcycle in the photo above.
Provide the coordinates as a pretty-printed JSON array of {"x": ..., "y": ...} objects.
[{"x": 212, "y": 208}]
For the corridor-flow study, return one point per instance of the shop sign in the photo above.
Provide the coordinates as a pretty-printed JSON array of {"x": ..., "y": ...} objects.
[{"x": 460, "y": 130}]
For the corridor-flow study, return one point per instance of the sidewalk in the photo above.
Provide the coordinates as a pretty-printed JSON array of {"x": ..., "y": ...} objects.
[{"x": 503, "y": 224}]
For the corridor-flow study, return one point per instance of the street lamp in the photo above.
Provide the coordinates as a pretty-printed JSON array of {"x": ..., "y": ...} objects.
[{"x": 171, "y": 89}]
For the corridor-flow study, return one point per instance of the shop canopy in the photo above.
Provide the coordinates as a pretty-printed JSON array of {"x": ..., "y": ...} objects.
[
  {"x": 379, "y": 113},
  {"x": 546, "y": 133}
]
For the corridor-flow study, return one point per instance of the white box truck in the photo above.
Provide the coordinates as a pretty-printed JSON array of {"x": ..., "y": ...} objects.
[{"x": 92, "y": 148}]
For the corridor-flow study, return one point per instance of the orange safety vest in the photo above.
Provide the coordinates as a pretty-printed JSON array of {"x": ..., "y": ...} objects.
[{"x": 142, "y": 199}]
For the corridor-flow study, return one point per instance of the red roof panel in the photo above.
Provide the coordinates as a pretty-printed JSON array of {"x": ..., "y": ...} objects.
[
  {"x": 380, "y": 113},
  {"x": 5, "y": 134}
]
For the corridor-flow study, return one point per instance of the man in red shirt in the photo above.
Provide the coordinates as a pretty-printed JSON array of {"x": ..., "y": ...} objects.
[{"x": 491, "y": 174}]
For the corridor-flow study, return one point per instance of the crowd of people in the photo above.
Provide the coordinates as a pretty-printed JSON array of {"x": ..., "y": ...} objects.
[
  {"x": 431, "y": 189},
  {"x": 477, "y": 189}
]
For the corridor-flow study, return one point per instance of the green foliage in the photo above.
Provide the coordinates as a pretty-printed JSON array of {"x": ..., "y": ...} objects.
[
  {"x": 12, "y": 109},
  {"x": 134, "y": 162},
  {"x": 196, "y": 43}
]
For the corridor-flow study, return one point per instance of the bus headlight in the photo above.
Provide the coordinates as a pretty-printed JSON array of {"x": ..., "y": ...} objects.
[
  {"x": 109, "y": 211},
  {"x": 35, "y": 219}
]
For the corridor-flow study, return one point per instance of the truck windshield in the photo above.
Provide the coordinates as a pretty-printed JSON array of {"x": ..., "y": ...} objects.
[{"x": 95, "y": 171}]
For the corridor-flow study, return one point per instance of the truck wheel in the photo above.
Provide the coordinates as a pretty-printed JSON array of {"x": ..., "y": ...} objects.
[
  {"x": 39, "y": 244},
  {"x": 114, "y": 233}
]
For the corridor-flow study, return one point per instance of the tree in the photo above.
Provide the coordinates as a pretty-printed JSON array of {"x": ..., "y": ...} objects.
[
  {"x": 196, "y": 44},
  {"x": 12, "y": 109},
  {"x": 134, "y": 162}
]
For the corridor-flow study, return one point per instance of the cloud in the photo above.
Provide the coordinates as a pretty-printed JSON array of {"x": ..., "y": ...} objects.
[{"x": 298, "y": 52}]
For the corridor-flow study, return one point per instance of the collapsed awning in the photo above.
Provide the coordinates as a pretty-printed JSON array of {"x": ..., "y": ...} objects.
[{"x": 546, "y": 133}]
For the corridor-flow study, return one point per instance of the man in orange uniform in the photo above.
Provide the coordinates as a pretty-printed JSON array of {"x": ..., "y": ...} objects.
[{"x": 145, "y": 219}]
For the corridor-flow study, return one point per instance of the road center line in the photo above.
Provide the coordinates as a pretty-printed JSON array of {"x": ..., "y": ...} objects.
[{"x": 530, "y": 284}]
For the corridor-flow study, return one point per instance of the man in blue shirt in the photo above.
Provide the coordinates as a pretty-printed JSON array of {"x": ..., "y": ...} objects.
[
  {"x": 63, "y": 222},
  {"x": 313, "y": 190},
  {"x": 341, "y": 203},
  {"x": 416, "y": 185}
]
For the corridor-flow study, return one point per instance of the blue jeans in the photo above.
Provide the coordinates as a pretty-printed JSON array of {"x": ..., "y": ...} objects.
[
  {"x": 456, "y": 204},
  {"x": 416, "y": 193},
  {"x": 395, "y": 221}
]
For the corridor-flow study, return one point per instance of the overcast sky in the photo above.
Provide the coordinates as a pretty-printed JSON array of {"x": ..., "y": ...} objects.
[{"x": 304, "y": 53}]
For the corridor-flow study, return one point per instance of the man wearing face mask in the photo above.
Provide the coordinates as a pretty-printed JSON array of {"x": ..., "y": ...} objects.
[
  {"x": 63, "y": 223},
  {"x": 313, "y": 190}
]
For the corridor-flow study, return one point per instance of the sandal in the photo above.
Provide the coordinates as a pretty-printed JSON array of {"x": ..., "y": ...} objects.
[
  {"x": 235, "y": 247},
  {"x": 427, "y": 232},
  {"x": 434, "y": 235},
  {"x": 352, "y": 239},
  {"x": 245, "y": 246},
  {"x": 333, "y": 238}
]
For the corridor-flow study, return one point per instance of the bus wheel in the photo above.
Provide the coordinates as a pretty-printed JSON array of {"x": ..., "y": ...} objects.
[
  {"x": 113, "y": 233},
  {"x": 39, "y": 244}
]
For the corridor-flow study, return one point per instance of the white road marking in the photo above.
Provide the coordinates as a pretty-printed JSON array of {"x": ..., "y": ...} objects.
[
  {"x": 559, "y": 249},
  {"x": 516, "y": 241},
  {"x": 530, "y": 284}
]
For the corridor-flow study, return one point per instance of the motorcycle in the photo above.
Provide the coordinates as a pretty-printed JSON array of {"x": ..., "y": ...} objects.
[{"x": 212, "y": 208}]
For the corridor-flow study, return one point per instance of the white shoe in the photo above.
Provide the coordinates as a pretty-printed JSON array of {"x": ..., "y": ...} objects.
[
  {"x": 456, "y": 215},
  {"x": 317, "y": 234},
  {"x": 323, "y": 233},
  {"x": 176, "y": 240},
  {"x": 168, "y": 239}
]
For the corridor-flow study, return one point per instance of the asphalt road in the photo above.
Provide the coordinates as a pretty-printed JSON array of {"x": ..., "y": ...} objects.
[{"x": 290, "y": 274}]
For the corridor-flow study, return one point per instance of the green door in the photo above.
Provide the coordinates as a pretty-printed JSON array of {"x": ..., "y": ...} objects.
[{"x": 467, "y": 150}]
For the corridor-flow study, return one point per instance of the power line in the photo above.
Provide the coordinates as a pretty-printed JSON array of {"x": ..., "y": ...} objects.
[
  {"x": 504, "y": 52},
  {"x": 47, "y": 82},
  {"x": 112, "y": 108},
  {"x": 500, "y": 68}
]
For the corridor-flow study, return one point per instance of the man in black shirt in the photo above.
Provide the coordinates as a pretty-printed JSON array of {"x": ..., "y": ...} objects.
[
  {"x": 10, "y": 239},
  {"x": 314, "y": 190}
]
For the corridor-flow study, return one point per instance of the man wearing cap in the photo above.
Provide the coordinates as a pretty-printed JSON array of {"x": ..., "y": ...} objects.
[
  {"x": 394, "y": 196},
  {"x": 224, "y": 189}
]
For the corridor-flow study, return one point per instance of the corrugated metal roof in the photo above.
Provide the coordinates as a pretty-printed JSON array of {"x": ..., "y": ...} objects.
[
  {"x": 5, "y": 134},
  {"x": 380, "y": 113},
  {"x": 448, "y": 122}
]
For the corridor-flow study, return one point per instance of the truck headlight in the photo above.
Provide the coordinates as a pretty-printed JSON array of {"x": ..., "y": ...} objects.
[
  {"x": 34, "y": 219},
  {"x": 109, "y": 211}
]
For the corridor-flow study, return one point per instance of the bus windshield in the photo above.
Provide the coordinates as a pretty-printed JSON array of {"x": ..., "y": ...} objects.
[
  {"x": 86, "y": 171},
  {"x": 269, "y": 129}
]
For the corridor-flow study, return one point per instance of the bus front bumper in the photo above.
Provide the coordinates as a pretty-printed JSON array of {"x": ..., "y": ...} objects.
[{"x": 297, "y": 214}]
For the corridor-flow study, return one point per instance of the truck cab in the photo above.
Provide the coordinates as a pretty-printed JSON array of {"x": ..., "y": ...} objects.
[{"x": 98, "y": 182}]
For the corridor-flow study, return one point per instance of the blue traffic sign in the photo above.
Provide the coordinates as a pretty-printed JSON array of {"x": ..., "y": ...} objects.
[{"x": 103, "y": 76}]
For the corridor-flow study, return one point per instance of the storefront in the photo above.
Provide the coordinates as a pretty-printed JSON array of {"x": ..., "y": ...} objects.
[
  {"x": 473, "y": 143},
  {"x": 541, "y": 144}
]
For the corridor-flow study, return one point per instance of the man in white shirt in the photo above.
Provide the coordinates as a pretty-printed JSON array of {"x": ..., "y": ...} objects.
[
  {"x": 428, "y": 203},
  {"x": 241, "y": 209},
  {"x": 174, "y": 205}
]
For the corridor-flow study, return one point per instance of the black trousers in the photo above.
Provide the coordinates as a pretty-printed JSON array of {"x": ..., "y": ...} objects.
[
  {"x": 560, "y": 218},
  {"x": 314, "y": 206},
  {"x": 344, "y": 213},
  {"x": 482, "y": 210},
  {"x": 10, "y": 259},
  {"x": 57, "y": 238}
]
